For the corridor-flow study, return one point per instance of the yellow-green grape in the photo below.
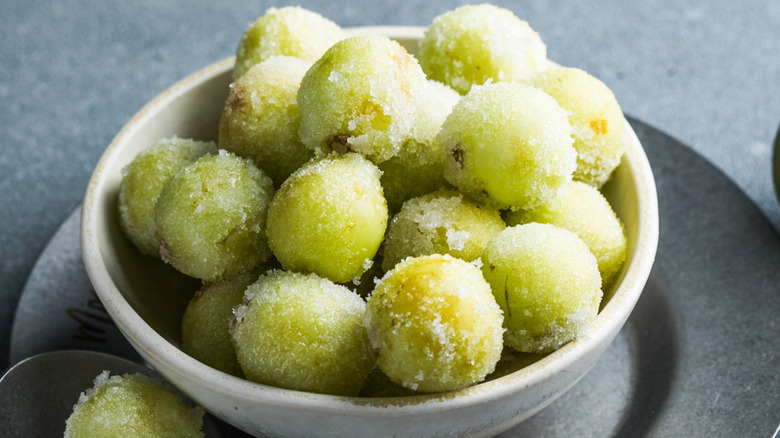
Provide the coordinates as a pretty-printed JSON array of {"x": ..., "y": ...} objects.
[
  {"x": 442, "y": 222},
  {"x": 418, "y": 168},
  {"x": 303, "y": 332},
  {"x": 260, "y": 120},
  {"x": 595, "y": 116},
  {"x": 142, "y": 182},
  {"x": 132, "y": 406},
  {"x": 583, "y": 210},
  {"x": 434, "y": 325},
  {"x": 360, "y": 96},
  {"x": 288, "y": 31},
  {"x": 547, "y": 283},
  {"x": 508, "y": 145},
  {"x": 473, "y": 45},
  {"x": 205, "y": 326},
  {"x": 211, "y": 216},
  {"x": 329, "y": 218}
]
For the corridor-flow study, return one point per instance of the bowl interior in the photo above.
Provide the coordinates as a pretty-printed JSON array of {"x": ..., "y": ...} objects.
[{"x": 191, "y": 109}]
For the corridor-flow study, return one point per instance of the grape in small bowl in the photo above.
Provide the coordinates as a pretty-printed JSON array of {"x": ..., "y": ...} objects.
[{"x": 146, "y": 298}]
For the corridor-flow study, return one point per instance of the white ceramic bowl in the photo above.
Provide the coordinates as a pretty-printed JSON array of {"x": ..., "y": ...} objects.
[{"x": 146, "y": 298}]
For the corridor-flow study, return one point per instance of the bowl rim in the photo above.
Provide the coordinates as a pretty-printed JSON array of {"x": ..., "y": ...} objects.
[{"x": 608, "y": 322}]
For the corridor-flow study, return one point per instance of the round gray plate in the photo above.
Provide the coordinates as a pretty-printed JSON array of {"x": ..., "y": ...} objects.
[{"x": 698, "y": 357}]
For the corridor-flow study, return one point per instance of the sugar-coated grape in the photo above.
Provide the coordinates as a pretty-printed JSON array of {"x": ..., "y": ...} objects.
[
  {"x": 211, "y": 216},
  {"x": 360, "y": 96},
  {"x": 142, "y": 182},
  {"x": 475, "y": 44},
  {"x": 329, "y": 217},
  {"x": 434, "y": 324},
  {"x": 132, "y": 406},
  {"x": 301, "y": 331},
  {"x": 205, "y": 325},
  {"x": 595, "y": 116},
  {"x": 418, "y": 168},
  {"x": 582, "y": 209},
  {"x": 547, "y": 283},
  {"x": 288, "y": 31},
  {"x": 442, "y": 222},
  {"x": 260, "y": 119},
  {"x": 508, "y": 145}
]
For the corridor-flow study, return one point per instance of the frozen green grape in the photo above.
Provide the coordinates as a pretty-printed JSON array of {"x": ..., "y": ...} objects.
[
  {"x": 329, "y": 218},
  {"x": 583, "y": 210},
  {"x": 260, "y": 119},
  {"x": 508, "y": 145},
  {"x": 301, "y": 331},
  {"x": 205, "y": 326},
  {"x": 476, "y": 44},
  {"x": 142, "y": 182},
  {"x": 547, "y": 283},
  {"x": 211, "y": 216},
  {"x": 360, "y": 96},
  {"x": 595, "y": 116},
  {"x": 132, "y": 406},
  {"x": 434, "y": 325},
  {"x": 418, "y": 168},
  {"x": 288, "y": 31},
  {"x": 442, "y": 222}
]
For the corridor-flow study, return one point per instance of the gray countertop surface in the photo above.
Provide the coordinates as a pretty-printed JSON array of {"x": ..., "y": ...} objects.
[{"x": 73, "y": 72}]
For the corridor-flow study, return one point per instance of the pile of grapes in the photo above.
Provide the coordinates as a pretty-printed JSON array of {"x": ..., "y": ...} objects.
[{"x": 374, "y": 223}]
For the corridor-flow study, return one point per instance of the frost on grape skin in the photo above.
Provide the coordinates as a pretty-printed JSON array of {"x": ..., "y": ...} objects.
[
  {"x": 418, "y": 167},
  {"x": 442, "y": 222},
  {"x": 507, "y": 145},
  {"x": 288, "y": 31},
  {"x": 361, "y": 96},
  {"x": 260, "y": 119},
  {"x": 547, "y": 283},
  {"x": 583, "y": 210},
  {"x": 596, "y": 118},
  {"x": 329, "y": 217},
  {"x": 143, "y": 180},
  {"x": 211, "y": 217},
  {"x": 434, "y": 324},
  {"x": 301, "y": 331},
  {"x": 478, "y": 44},
  {"x": 206, "y": 322},
  {"x": 132, "y": 405}
]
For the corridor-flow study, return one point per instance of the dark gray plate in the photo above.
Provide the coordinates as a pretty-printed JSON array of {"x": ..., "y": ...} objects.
[{"x": 698, "y": 357}]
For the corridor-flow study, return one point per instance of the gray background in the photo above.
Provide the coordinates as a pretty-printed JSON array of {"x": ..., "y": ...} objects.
[{"x": 73, "y": 72}]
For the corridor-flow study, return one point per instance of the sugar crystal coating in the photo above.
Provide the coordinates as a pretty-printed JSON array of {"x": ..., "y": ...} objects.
[
  {"x": 288, "y": 31},
  {"x": 211, "y": 216},
  {"x": 360, "y": 96},
  {"x": 143, "y": 180},
  {"x": 329, "y": 218},
  {"x": 442, "y": 222},
  {"x": 260, "y": 119},
  {"x": 583, "y": 210},
  {"x": 418, "y": 168},
  {"x": 547, "y": 283},
  {"x": 301, "y": 331},
  {"x": 206, "y": 322},
  {"x": 508, "y": 145},
  {"x": 132, "y": 406},
  {"x": 596, "y": 118},
  {"x": 434, "y": 324},
  {"x": 476, "y": 44}
]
